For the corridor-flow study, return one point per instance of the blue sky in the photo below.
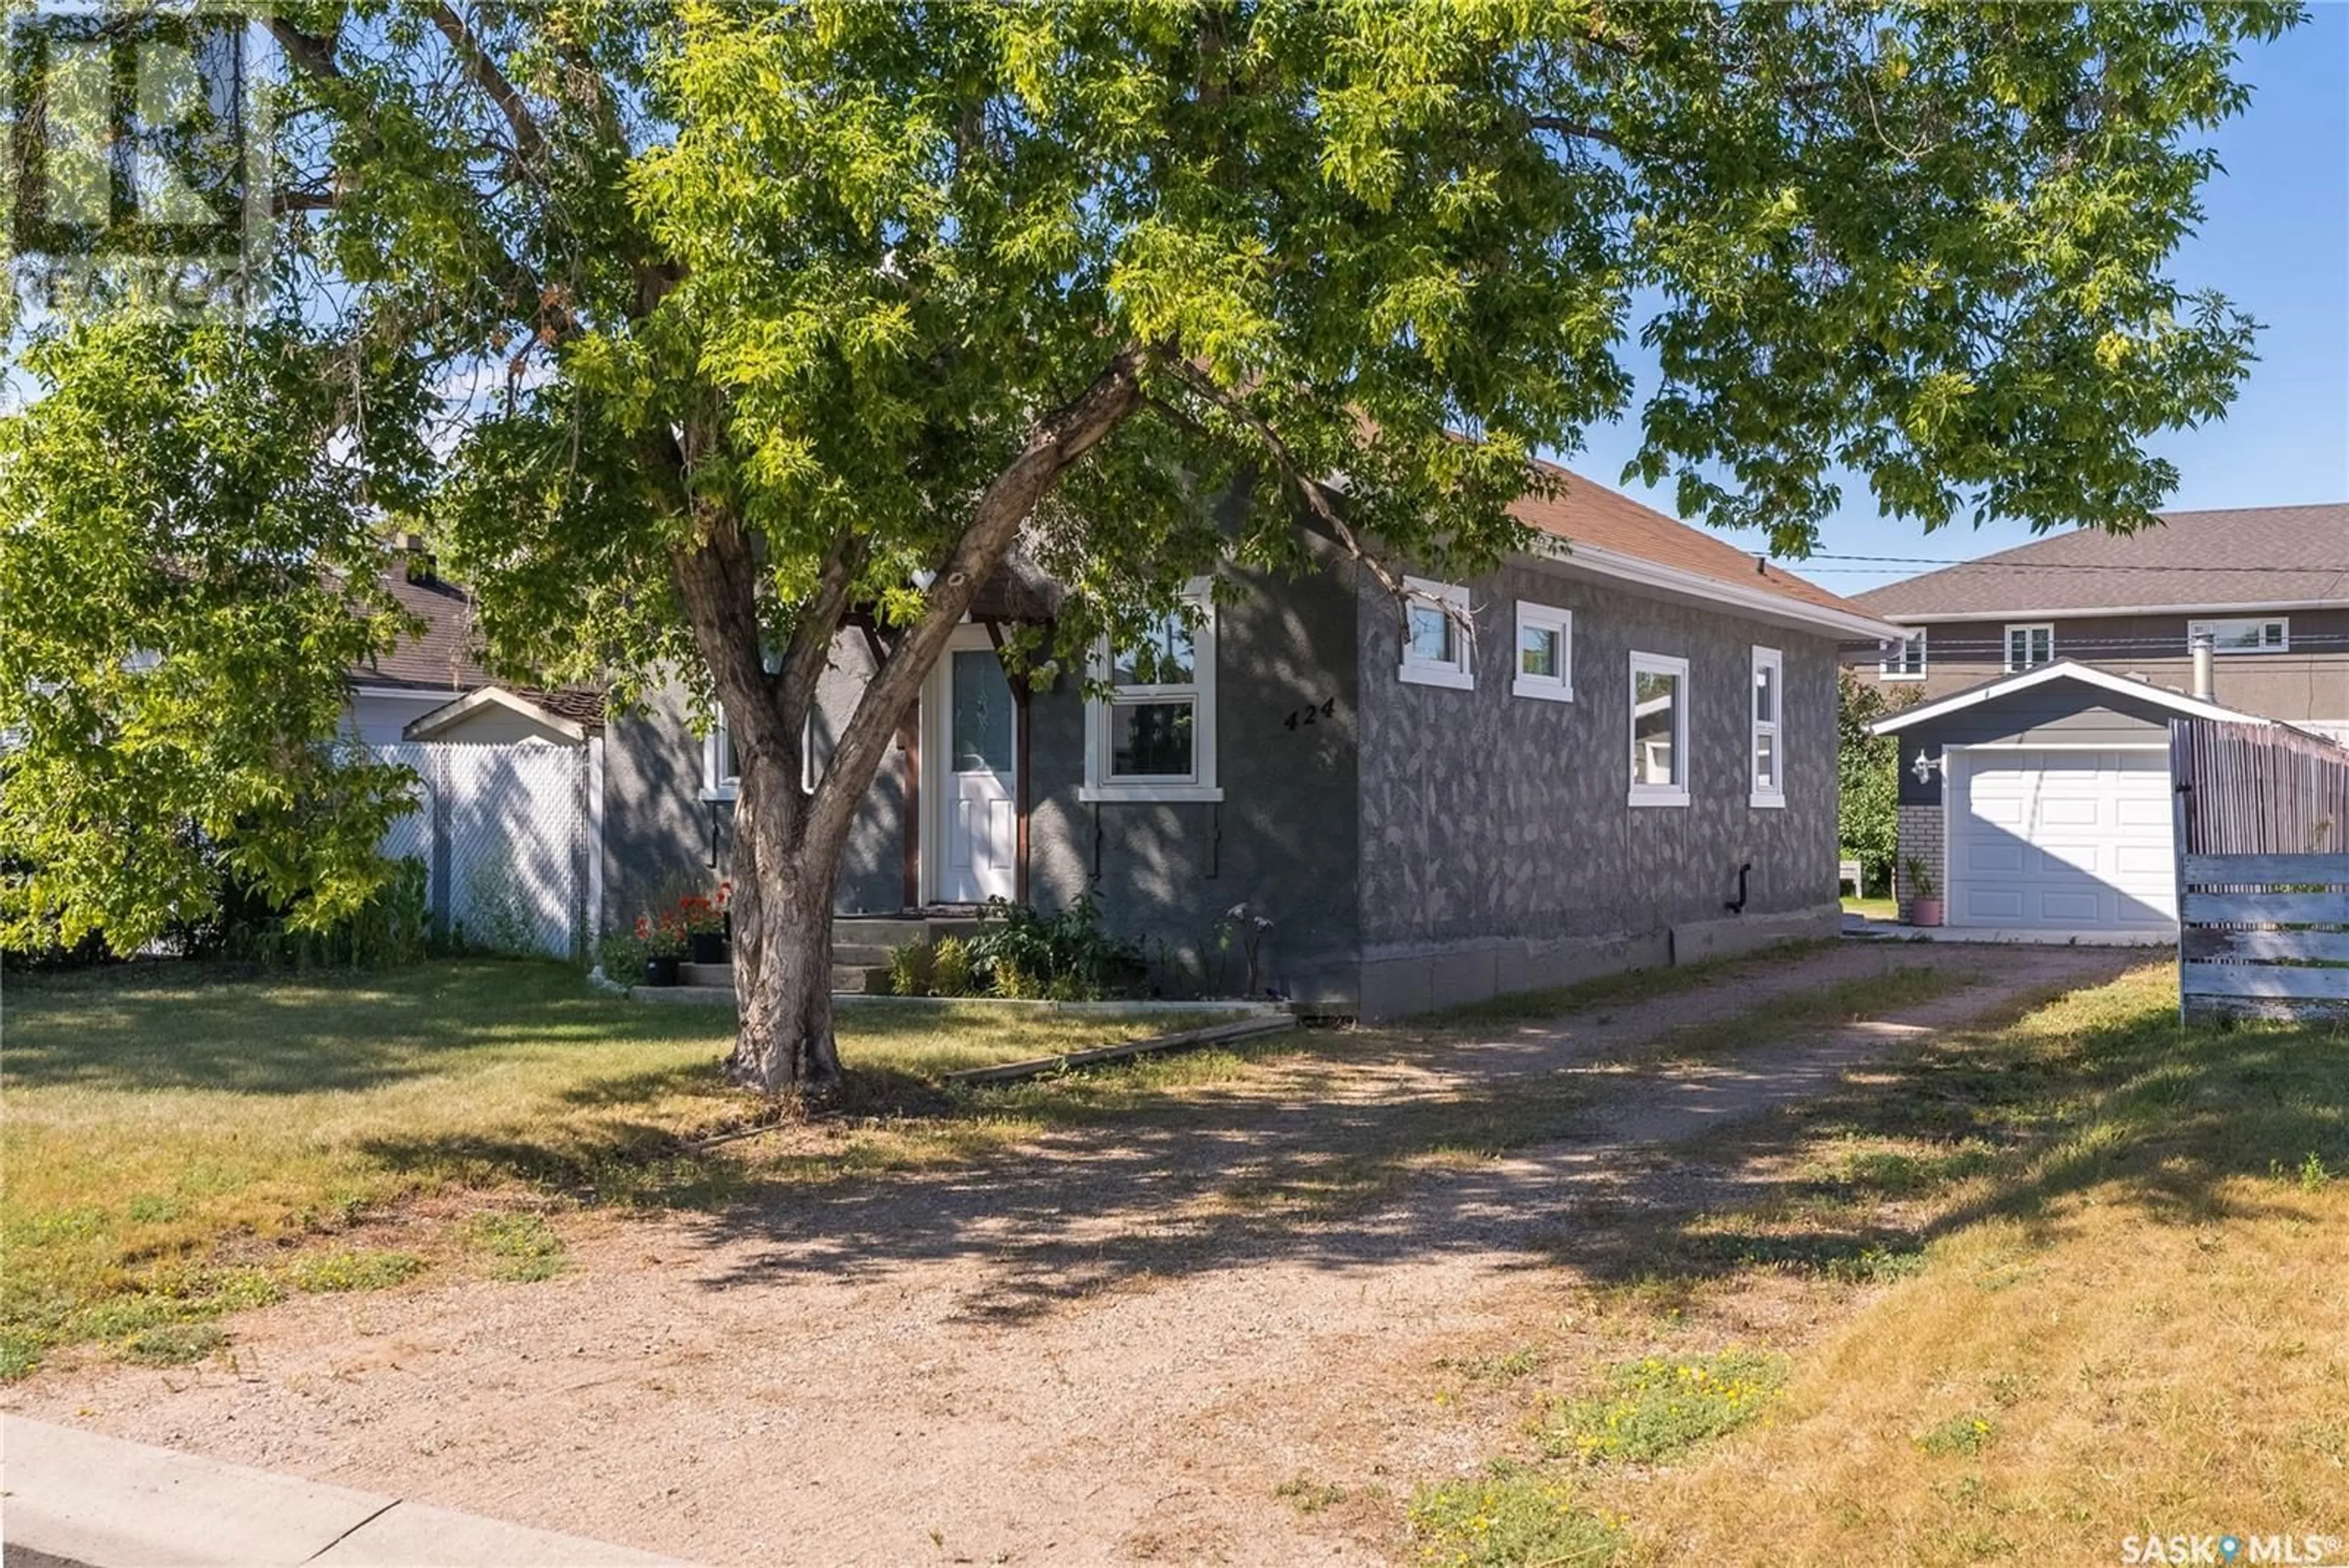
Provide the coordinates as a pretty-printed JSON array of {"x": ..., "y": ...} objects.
[{"x": 2275, "y": 241}]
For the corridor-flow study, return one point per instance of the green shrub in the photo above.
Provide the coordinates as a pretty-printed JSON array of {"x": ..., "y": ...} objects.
[
  {"x": 391, "y": 929},
  {"x": 1661, "y": 1404},
  {"x": 1510, "y": 1517},
  {"x": 1968, "y": 1433},
  {"x": 910, "y": 968},
  {"x": 950, "y": 968},
  {"x": 1066, "y": 956}
]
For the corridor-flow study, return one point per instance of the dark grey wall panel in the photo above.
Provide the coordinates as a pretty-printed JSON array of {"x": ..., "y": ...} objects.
[
  {"x": 1486, "y": 814},
  {"x": 2059, "y": 712},
  {"x": 1282, "y": 841}
]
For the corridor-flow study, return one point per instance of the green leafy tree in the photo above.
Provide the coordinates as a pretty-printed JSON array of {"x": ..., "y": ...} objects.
[
  {"x": 750, "y": 321},
  {"x": 187, "y": 573},
  {"x": 1868, "y": 772}
]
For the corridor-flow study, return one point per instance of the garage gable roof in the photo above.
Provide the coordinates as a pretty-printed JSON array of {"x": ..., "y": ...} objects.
[{"x": 2062, "y": 670}]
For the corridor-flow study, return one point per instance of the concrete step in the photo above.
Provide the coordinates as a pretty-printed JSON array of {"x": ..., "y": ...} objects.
[
  {"x": 863, "y": 955},
  {"x": 856, "y": 977}
]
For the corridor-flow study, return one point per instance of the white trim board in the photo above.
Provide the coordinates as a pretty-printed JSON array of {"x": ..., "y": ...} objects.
[
  {"x": 2062, "y": 670},
  {"x": 1765, "y": 604},
  {"x": 425, "y": 726}
]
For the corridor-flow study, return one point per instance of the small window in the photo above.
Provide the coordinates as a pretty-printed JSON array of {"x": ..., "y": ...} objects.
[
  {"x": 1544, "y": 653},
  {"x": 1438, "y": 650},
  {"x": 1769, "y": 756},
  {"x": 2246, "y": 635},
  {"x": 2029, "y": 647},
  {"x": 1659, "y": 699},
  {"x": 1903, "y": 658},
  {"x": 721, "y": 768},
  {"x": 1154, "y": 737}
]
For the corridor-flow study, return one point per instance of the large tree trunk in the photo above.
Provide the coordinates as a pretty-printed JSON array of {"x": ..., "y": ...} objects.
[
  {"x": 783, "y": 883},
  {"x": 788, "y": 845}
]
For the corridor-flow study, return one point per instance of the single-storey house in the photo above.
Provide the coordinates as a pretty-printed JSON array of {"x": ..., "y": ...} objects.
[{"x": 1630, "y": 762}]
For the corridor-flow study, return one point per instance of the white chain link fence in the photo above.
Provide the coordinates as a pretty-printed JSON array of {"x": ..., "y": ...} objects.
[{"x": 505, "y": 837}]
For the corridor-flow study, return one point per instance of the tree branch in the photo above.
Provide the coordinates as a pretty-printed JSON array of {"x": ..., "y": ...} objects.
[
  {"x": 1056, "y": 442},
  {"x": 1309, "y": 489},
  {"x": 530, "y": 144}
]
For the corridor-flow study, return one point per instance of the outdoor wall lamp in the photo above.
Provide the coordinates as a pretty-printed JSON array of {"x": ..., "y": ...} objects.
[{"x": 1925, "y": 767}]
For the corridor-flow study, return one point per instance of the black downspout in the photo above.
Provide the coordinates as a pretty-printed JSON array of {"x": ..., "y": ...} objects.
[{"x": 1737, "y": 906}]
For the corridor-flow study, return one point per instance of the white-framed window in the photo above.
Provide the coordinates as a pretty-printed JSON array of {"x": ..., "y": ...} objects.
[
  {"x": 2030, "y": 646},
  {"x": 1437, "y": 648},
  {"x": 1659, "y": 730},
  {"x": 1903, "y": 658},
  {"x": 1154, "y": 737},
  {"x": 722, "y": 770},
  {"x": 2243, "y": 634},
  {"x": 721, "y": 766},
  {"x": 1544, "y": 652},
  {"x": 1769, "y": 758}
]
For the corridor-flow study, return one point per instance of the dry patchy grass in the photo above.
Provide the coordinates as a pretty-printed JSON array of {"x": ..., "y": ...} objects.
[
  {"x": 2060, "y": 1281},
  {"x": 178, "y": 1139}
]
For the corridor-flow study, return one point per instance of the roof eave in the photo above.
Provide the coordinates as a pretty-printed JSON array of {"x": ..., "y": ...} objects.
[
  {"x": 2247, "y": 606},
  {"x": 1764, "y": 604},
  {"x": 424, "y": 726},
  {"x": 2061, "y": 669}
]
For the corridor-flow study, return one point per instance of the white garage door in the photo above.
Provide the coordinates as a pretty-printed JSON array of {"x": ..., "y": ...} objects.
[{"x": 2070, "y": 841}]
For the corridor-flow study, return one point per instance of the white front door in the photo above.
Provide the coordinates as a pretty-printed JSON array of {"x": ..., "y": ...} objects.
[
  {"x": 2054, "y": 840},
  {"x": 973, "y": 732}
]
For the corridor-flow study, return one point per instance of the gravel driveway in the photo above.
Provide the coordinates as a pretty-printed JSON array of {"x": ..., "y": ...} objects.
[{"x": 1115, "y": 1344}]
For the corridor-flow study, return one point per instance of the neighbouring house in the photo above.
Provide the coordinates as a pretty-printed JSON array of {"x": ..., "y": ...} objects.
[
  {"x": 1630, "y": 762},
  {"x": 433, "y": 686},
  {"x": 510, "y": 788},
  {"x": 2035, "y": 791}
]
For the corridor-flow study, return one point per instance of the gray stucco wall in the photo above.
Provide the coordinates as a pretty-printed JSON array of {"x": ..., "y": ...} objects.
[
  {"x": 1281, "y": 841},
  {"x": 1500, "y": 850},
  {"x": 660, "y": 838}
]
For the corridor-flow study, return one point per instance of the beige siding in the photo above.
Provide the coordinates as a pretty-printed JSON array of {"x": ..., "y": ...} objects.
[{"x": 2310, "y": 679}]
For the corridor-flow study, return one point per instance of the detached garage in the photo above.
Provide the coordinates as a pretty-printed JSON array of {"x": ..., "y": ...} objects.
[{"x": 2039, "y": 805}]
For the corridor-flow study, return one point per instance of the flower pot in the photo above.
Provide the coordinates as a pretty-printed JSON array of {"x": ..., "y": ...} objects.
[
  {"x": 661, "y": 971},
  {"x": 708, "y": 946},
  {"x": 1925, "y": 911}
]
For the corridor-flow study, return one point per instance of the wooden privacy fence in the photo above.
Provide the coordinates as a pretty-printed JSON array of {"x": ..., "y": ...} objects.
[{"x": 2262, "y": 840}]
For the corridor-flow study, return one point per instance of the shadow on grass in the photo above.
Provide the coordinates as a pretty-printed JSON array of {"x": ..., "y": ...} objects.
[
  {"x": 194, "y": 1026},
  {"x": 2134, "y": 1109},
  {"x": 1071, "y": 1185}
]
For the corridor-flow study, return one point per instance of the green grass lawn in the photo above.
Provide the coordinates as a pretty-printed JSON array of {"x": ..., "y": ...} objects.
[
  {"x": 1874, "y": 908},
  {"x": 175, "y": 1137}
]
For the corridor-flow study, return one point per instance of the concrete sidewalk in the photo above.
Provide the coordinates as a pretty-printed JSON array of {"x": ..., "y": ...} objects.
[{"x": 72, "y": 1499}]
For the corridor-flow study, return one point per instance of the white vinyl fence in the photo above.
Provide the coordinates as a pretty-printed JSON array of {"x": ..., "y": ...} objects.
[{"x": 507, "y": 837}]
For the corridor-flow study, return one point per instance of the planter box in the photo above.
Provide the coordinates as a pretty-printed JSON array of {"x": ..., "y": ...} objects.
[
  {"x": 708, "y": 947},
  {"x": 661, "y": 971},
  {"x": 1925, "y": 911}
]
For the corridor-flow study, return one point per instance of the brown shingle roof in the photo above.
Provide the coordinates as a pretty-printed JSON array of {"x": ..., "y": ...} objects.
[
  {"x": 2193, "y": 560},
  {"x": 447, "y": 656},
  {"x": 1587, "y": 511}
]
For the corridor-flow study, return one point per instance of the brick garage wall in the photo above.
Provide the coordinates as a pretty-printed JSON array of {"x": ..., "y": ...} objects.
[{"x": 1921, "y": 835}]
